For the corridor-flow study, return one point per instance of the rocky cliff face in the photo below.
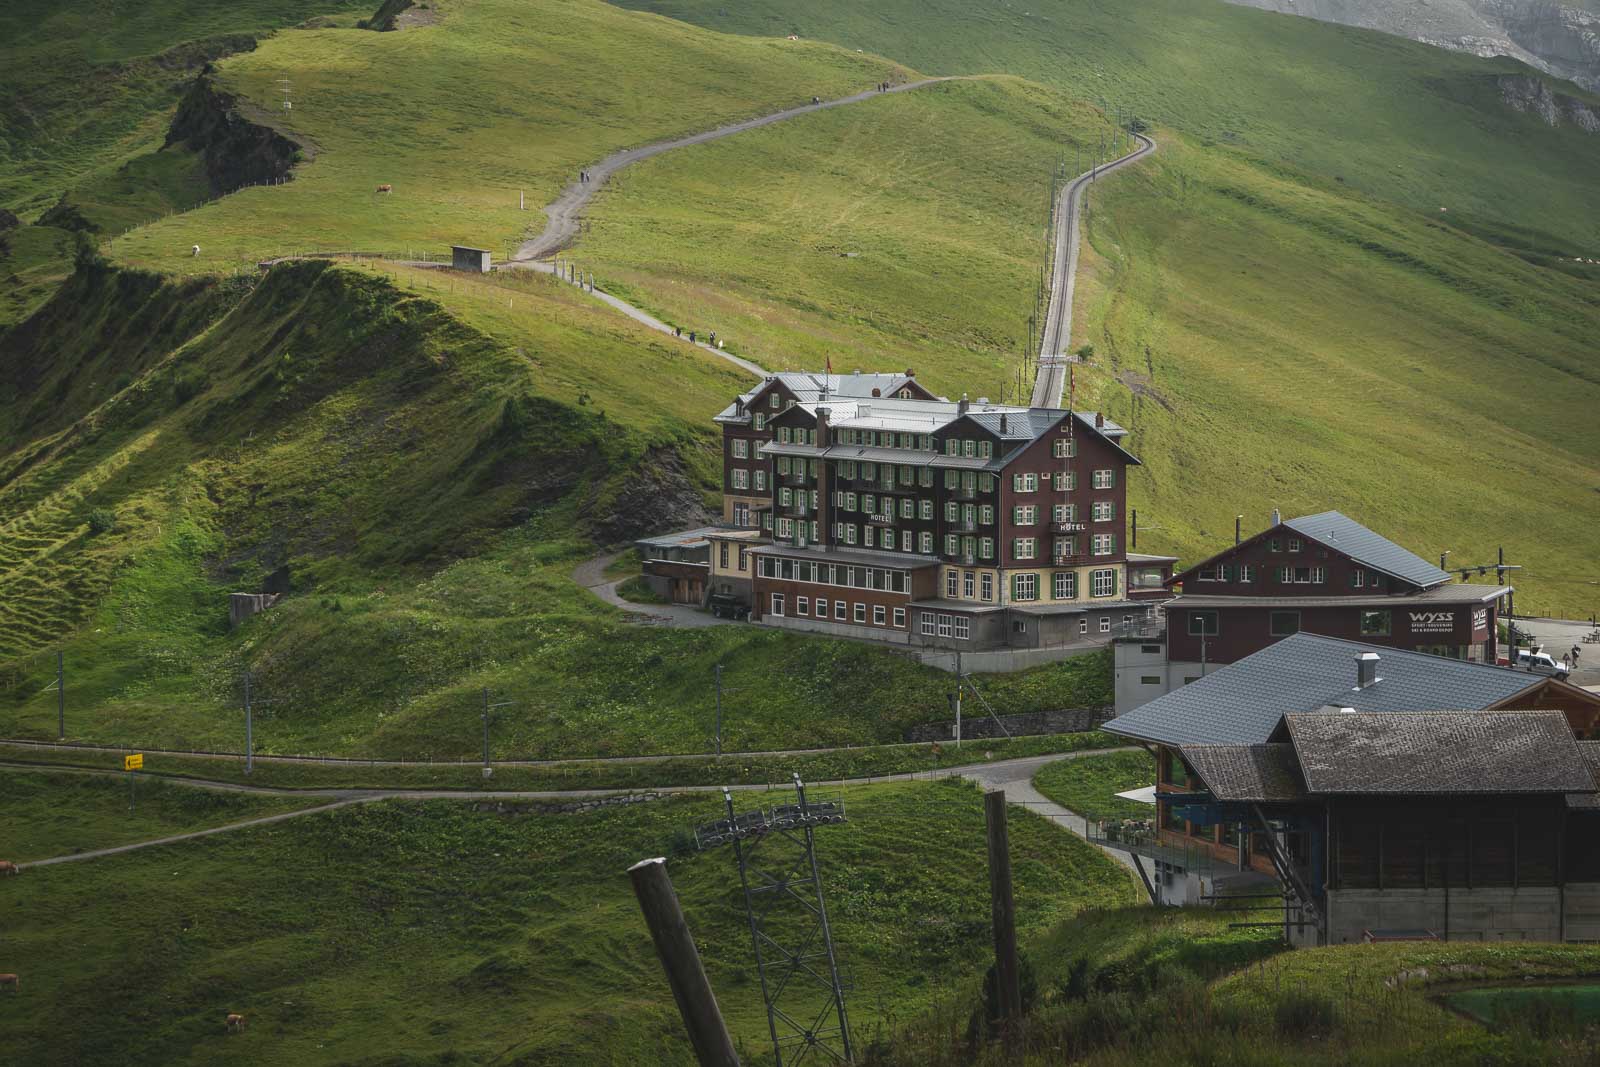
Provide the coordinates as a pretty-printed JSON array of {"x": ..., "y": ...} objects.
[
  {"x": 1525, "y": 93},
  {"x": 1560, "y": 37},
  {"x": 238, "y": 150}
]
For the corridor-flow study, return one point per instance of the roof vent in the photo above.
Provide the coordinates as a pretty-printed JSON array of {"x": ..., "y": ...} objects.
[
  {"x": 983, "y": 401},
  {"x": 1002, "y": 422},
  {"x": 1347, "y": 711},
  {"x": 1367, "y": 670},
  {"x": 1277, "y": 517}
]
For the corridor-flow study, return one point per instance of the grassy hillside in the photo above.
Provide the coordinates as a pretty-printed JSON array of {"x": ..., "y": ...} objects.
[
  {"x": 430, "y": 933},
  {"x": 1090, "y": 786},
  {"x": 907, "y": 231},
  {"x": 425, "y": 487},
  {"x": 499, "y": 96},
  {"x": 1399, "y": 120}
]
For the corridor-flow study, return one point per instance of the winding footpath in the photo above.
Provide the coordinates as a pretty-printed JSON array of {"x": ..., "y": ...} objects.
[
  {"x": 1052, "y": 376},
  {"x": 1014, "y": 776}
]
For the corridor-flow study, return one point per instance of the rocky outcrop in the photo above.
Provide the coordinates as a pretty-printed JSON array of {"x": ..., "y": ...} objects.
[
  {"x": 1558, "y": 38},
  {"x": 658, "y": 494},
  {"x": 237, "y": 150},
  {"x": 387, "y": 15},
  {"x": 1527, "y": 93}
]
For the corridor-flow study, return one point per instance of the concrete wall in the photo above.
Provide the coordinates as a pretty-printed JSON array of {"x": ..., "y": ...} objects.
[
  {"x": 1133, "y": 665},
  {"x": 1004, "y": 661},
  {"x": 1530, "y": 914}
]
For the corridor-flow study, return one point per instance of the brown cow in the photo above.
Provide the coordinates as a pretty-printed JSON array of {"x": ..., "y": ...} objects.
[
  {"x": 11, "y": 980},
  {"x": 235, "y": 1021},
  {"x": 8, "y": 868},
  {"x": 385, "y": 189}
]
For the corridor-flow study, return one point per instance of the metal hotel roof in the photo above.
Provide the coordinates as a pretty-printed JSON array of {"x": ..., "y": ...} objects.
[
  {"x": 1452, "y": 752},
  {"x": 1373, "y": 550},
  {"x": 1243, "y": 702}
]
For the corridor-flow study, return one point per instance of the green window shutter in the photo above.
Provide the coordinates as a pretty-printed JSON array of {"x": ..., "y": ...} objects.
[{"x": 1114, "y": 583}]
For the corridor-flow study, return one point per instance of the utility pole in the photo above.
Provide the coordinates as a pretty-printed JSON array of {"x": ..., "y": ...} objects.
[
  {"x": 959, "y": 682},
  {"x": 1007, "y": 980},
  {"x": 1238, "y": 527},
  {"x": 697, "y": 1004},
  {"x": 719, "y": 711},
  {"x": 249, "y": 729},
  {"x": 486, "y": 709},
  {"x": 60, "y": 688}
]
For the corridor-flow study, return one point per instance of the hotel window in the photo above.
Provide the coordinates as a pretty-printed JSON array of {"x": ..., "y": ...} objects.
[
  {"x": 822, "y": 608},
  {"x": 1024, "y": 516},
  {"x": 850, "y": 502},
  {"x": 1203, "y": 624},
  {"x": 986, "y": 583},
  {"x": 908, "y": 508},
  {"x": 741, "y": 478},
  {"x": 774, "y": 401},
  {"x": 761, "y": 480},
  {"x": 986, "y": 515},
  {"x": 985, "y": 450},
  {"x": 1065, "y": 512},
  {"x": 1105, "y": 624},
  {"x": 1375, "y": 623},
  {"x": 777, "y": 603},
  {"x": 952, "y": 584},
  {"x": 945, "y": 626},
  {"x": 1319, "y": 575},
  {"x": 1025, "y": 483},
  {"x": 869, "y": 536},
  {"x": 784, "y": 437},
  {"x": 952, "y": 479},
  {"x": 969, "y": 448},
  {"x": 1294, "y": 544},
  {"x": 848, "y": 469},
  {"x": 839, "y": 611},
  {"x": 1103, "y": 544},
  {"x": 784, "y": 526},
  {"x": 1024, "y": 547},
  {"x": 744, "y": 558},
  {"x": 761, "y": 421},
  {"x": 1105, "y": 479},
  {"x": 928, "y": 623},
  {"x": 952, "y": 511},
  {"x": 926, "y": 543},
  {"x": 802, "y": 605},
  {"x": 1358, "y": 578},
  {"x": 1083, "y": 626},
  {"x": 1284, "y": 623},
  {"x": 969, "y": 585},
  {"x": 952, "y": 544},
  {"x": 869, "y": 503},
  {"x": 741, "y": 448},
  {"x": 1066, "y": 481},
  {"x": 963, "y": 627},
  {"x": 850, "y": 534},
  {"x": 1064, "y": 447},
  {"x": 1247, "y": 572},
  {"x": 925, "y": 477},
  {"x": 905, "y": 541},
  {"x": 986, "y": 482},
  {"x": 1066, "y": 585},
  {"x": 986, "y": 548},
  {"x": 908, "y": 475},
  {"x": 869, "y": 471},
  {"x": 1103, "y": 510},
  {"x": 1024, "y": 587},
  {"x": 766, "y": 520},
  {"x": 1103, "y": 583},
  {"x": 861, "y": 612},
  {"x": 900, "y": 618},
  {"x": 878, "y": 614},
  {"x": 925, "y": 508},
  {"x": 722, "y": 554},
  {"x": 784, "y": 497}
]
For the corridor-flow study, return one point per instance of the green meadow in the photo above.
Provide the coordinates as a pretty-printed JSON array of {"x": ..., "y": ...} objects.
[{"x": 1089, "y": 786}]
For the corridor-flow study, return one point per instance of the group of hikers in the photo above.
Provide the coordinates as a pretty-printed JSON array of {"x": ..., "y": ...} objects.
[
  {"x": 694, "y": 337},
  {"x": 583, "y": 176}
]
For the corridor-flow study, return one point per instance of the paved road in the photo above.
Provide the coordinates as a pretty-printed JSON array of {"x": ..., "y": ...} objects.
[
  {"x": 1057, "y": 336},
  {"x": 564, "y": 212},
  {"x": 1012, "y": 775},
  {"x": 591, "y": 574},
  {"x": 1558, "y": 636}
]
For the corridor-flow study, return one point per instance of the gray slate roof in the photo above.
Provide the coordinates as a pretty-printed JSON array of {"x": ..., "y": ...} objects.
[
  {"x": 1243, "y": 702},
  {"x": 1590, "y": 751},
  {"x": 1433, "y": 752},
  {"x": 1249, "y": 773},
  {"x": 1370, "y": 549}
]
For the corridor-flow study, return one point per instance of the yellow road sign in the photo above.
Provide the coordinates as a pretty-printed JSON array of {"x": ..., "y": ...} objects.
[{"x": 134, "y": 762}]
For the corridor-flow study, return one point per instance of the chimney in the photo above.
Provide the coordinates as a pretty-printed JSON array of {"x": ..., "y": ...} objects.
[
  {"x": 822, "y": 428},
  {"x": 1099, "y": 421},
  {"x": 961, "y": 408},
  {"x": 738, "y": 406},
  {"x": 1366, "y": 669},
  {"x": 1002, "y": 422},
  {"x": 910, "y": 373},
  {"x": 1277, "y": 518},
  {"x": 877, "y": 392}
]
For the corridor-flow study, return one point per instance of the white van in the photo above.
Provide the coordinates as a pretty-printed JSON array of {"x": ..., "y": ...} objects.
[{"x": 1541, "y": 663}]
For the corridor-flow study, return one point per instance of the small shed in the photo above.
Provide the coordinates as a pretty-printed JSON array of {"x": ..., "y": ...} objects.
[{"x": 472, "y": 260}]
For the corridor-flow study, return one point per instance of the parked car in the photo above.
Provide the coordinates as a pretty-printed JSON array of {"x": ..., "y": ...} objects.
[
  {"x": 1539, "y": 662},
  {"x": 727, "y": 607}
]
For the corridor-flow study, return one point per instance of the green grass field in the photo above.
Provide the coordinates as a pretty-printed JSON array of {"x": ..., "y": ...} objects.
[
  {"x": 58, "y": 813},
  {"x": 424, "y": 933},
  {"x": 1090, "y": 786}
]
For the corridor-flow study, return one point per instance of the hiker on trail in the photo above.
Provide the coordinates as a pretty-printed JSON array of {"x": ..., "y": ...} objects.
[
  {"x": 691, "y": 337},
  {"x": 713, "y": 338},
  {"x": 677, "y": 331},
  {"x": 816, "y": 99}
]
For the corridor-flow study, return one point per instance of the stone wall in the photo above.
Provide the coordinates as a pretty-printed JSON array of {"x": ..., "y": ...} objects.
[{"x": 980, "y": 725}]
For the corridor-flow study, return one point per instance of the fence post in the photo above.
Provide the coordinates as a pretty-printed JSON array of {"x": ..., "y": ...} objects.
[
  {"x": 681, "y": 960},
  {"x": 1007, "y": 980}
]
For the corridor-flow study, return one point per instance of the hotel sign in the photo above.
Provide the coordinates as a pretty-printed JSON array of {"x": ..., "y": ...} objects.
[{"x": 1433, "y": 622}]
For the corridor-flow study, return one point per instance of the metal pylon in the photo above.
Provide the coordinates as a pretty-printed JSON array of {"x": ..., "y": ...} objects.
[{"x": 799, "y": 970}]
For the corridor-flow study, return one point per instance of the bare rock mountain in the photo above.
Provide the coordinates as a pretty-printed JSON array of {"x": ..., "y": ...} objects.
[{"x": 1560, "y": 38}]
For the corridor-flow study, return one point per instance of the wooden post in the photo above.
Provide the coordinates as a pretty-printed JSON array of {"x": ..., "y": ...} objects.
[
  {"x": 1007, "y": 980},
  {"x": 681, "y": 960}
]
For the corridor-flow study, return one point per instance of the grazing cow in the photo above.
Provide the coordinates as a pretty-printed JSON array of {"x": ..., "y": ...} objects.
[
  {"x": 11, "y": 980},
  {"x": 385, "y": 189},
  {"x": 235, "y": 1021},
  {"x": 8, "y": 868}
]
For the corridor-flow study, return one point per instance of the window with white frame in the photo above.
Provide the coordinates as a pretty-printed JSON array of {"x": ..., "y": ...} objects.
[
  {"x": 952, "y": 544},
  {"x": 1294, "y": 544},
  {"x": 1103, "y": 510},
  {"x": 1066, "y": 512},
  {"x": 1103, "y": 544},
  {"x": 761, "y": 480},
  {"x": 962, "y": 628},
  {"x": 1026, "y": 515},
  {"x": 1105, "y": 624},
  {"x": 987, "y": 585},
  {"x": 774, "y": 401},
  {"x": 741, "y": 448},
  {"x": 952, "y": 511},
  {"x": 839, "y": 611},
  {"x": 1066, "y": 481},
  {"x": 926, "y": 545},
  {"x": 952, "y": 584},
  {"x": 1319, "y": 575},
  {"x": 1103, "y": 582},
  {"x": 822, "y": 608},
  {"x": 1064, "y": 447},
  {"x": 969, "y": 584},
  {"x": 1247, "y": 572},
  {"x": 986, "y": 515},
  {"x": 878, "y": 614},
  {"x": 1066, "y": 585},
  {"x": 802, "y": 605},
  {"x": 908, "y": 508},
  {"x": 986, "y": 482},
  {"x": 945, "y": 625},
  {"x": 969, "y": 448},
  {"x": 777, "y": 603},
  {"x": 1105, "y": 479},
  {"x": 1024, "y": 587},
  {"x": 861, "y": 612},
  {"x": 929, "y": 621},
  {"x": 761, "y": 421},
  {"x": 905, "y": 541},
  {"x": 850, "y": 534},
  {"x": 741, "y": 478},
  {"x": 869, "y": 536},
  {"x": 1024, "y": 547},
  {"x": 1083, "y": 626},
  {"x": 1025, "y": 483},
  {"x": 925, "y": 508},
  {"x": 900, "y": 618},
  {"x": 986, "y": 548}
]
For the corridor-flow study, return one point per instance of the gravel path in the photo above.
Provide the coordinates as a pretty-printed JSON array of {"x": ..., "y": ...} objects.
[
  {"x": 1052, "y": 377},
  {"x": 591, "y": 574},
  {"x": 1011, "y": 775},
  {"x": 564, "y": 213}
]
